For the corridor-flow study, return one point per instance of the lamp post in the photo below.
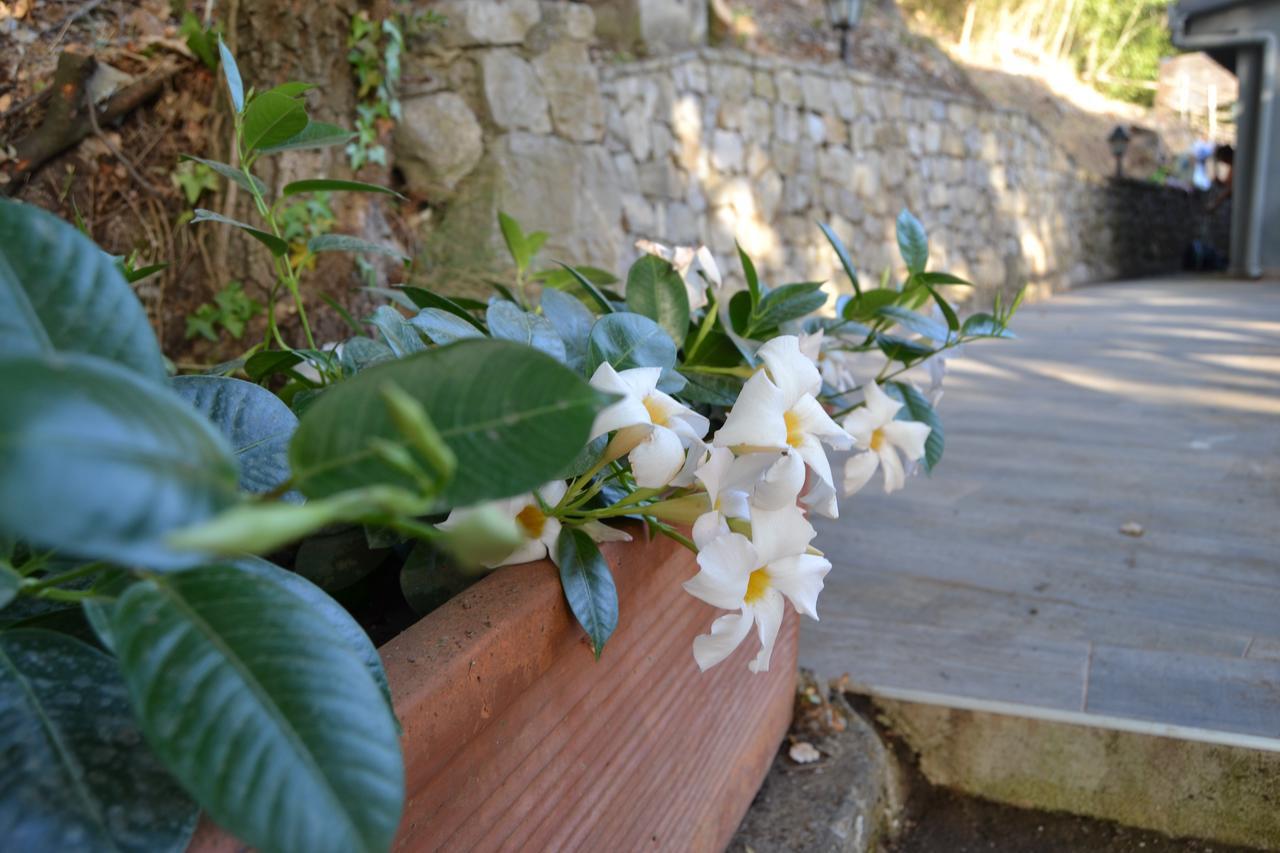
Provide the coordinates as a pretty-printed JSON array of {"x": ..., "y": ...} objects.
[
  {"x": 1119, "y": 141},
  {"x": 843, "y": 15}
]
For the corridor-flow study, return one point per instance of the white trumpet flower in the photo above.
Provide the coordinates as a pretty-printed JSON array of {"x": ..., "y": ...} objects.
[
  {"x": 687, "y": 261},
  {"x": 835, "y": 365},
  {"x": 736, "y": 484},
  {"x": 654, "y": 429},
  {"x": 777, "y": 410},
  {"x": 881, "y": 439},
  {"x": 756, "y": 577}
]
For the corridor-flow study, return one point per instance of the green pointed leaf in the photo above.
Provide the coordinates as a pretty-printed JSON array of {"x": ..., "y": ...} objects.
[
  {"x": 396, "y": 331},
  {"x": 231, "y": 173},
  {"x": 914, "y": 322},
  {"x": 347, "y": 243},
  {"x": 278, "y": 247},
  {"x": 901, "y": 349},
  {"x": 231, "y": 73},
  {"x": 916, "y": 408},
  {"x": 953, "y": 322},
  {"x": 913, "y": 244},
  {"x": 934, "y": 279},
  {"x": 61, "y": 293},
  {"x": 749, "y": 273},
  {"x": 256, "y": 423},
  {"x": 515, "y": 415},
  {"x": 271, "y": 720},
  {"x": 788, "y": 302},
  {"x": 459, "y": 307},
  {"x": 627, "y": 340},
  {"x": 337, "y": 557},
  {"x": 517, "y": 244},
  {"x": 266, "y": 363},
  {"x": 360, "y": 353},
  {"x": 507, "y": 321},
  {"x": 572, "y": 321},
  {"x": 272, "y": 119},
  {"x": 984, "y": 326},
  {"x": 317, "y": 134},
  {"x": 866, "y": 306},
  {"x": 331, "y": 184},
  {"x": 843, "y": 254},
  {"x": 292, "y": 90},
  {"x": 590, "y": 288},
  {"x": 101, "y": 463},
  {"x": 75, "y": 775},
  {"x": 655, "y": 290},
  {"x": 443, "y": 327},
  {"x": 588, "y": 586},
  {"x": 136, "y": 274},
  {"x": 9, "y": 583}
]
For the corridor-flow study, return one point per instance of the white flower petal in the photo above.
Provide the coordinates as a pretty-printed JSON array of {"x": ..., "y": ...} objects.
[
  {"x": 552, "y": 492},
  {"x": 550, "y": 532},
  {"x": 811, "y": 345},
  {"x": 727, "y": 633},
  {"x": 694, "y": 459},
  {"x": 858, "y": 470},
  {"x": 657, "y": 459},
  {"x": 816, "y": 458},
  {"x": 780, "y": 484},
  {"x": 734, "y": 504},
  {"x": 780, "y": 533},
  {"x": 724, "y": 566},
  {"x": 792, "y": 371},
  {"x": 860, "y": 424},
  {"x": 628, "y": 411},
  {"x": 800, "y": 580},
  {"x": 768, "y": 613},
  {"x": 713, "y": 472},
  {"x": 908, "y": 436},
  {"x": 757, "y": 418},
  {"x": 881, "y": 405},
  {"x": 708, "y": 264},
  {"x": 821, "y": 498},
  {"x": 708, "y": 527},
  {"x": 894, "y": 477},
  {"x": 810, "y": 418},
  {"x": 531, "y": 550}
]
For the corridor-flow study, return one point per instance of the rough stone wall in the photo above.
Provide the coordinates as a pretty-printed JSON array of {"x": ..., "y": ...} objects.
[{"x": 714, "y": 145}]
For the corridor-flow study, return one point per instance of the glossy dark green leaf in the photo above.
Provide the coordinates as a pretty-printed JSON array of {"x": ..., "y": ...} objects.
[
  {"x": 231, "y": 173},
  {"x": 256, "y": 423},
  {"x": 843, "y": 254},
  {"x": 272, "y": 119},
  {"x": 628, "y": 340},
  {"x": 360, "y": 353},
  {"x": 61, "y": 293},
  {"x": 572, "y": 321},
  {"x": 347, "y": 243},
  {"x": 270, "y": 362},
  {"x": 312, "y": 185},
  {"x": 263, "y": 712},
  {"x": 444, "y": 327},
  {"x": 76, "y": 775},
  {"x": 953, "y": 322},
  {"x": 292, "y": 90},
  {"x": 984, "y": 326},
  {"x": 913, "y": 243},
  {"x": 231, "y": 74},
  {"x": 935, "y": 279},
  {"x": 788, "y": 302},
  {"x": 102, "y": 463},
  {"x": 916, "y": 408},
  {"x": 711, "y": 389},
  {"x": 753, "y": 279},
  {"x": 901, "y": 349},
  {"x": 317, "y": 134},
  {"x": 740, "y": 311},
  {"x": 136, "y": 274},
  {"x": 336, "y": 558},
  {"x": 459, "y": 307},
  {"x": 914, "y": 322},
  {"x": 508, "y": 321},
  {"x": 397, "y": 332},
  {"x": 590, "y": 288},
  {"x": 866, "y": 306},
  {"x": 655, "y": 290},
  {"x": 588, "y": 586},
  {"x": 516, "y": 416},
  {"x": 277, "y": 246},
  {"x": 521, "y": 246},
  {"x": 10, "y": 580}
]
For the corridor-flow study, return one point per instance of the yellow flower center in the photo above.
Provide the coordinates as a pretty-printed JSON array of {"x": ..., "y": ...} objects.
[
  {"x": 757, "y": 585},
  {"x": 657, "y": 411},
  {"x": 794, "y": 436},
  {"x": 531, "y": 520},
  {"x": 877, "y": 440}
]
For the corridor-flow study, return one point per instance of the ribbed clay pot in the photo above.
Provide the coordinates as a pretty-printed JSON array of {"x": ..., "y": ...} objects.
[{"x": 516, "y": 738}]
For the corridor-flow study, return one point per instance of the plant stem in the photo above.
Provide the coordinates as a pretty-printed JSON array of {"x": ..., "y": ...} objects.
[{"x": 57, "y": 580}]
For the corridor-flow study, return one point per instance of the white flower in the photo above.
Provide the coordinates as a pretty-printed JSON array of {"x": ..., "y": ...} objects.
[
  {"x": 687, "y": 261},
  {"x": 756, "y": 576},
  {"x": 736, "y": 484},
  {"x": 835, "y": 365},
  {"x": 880, "y": 437},
  {"x": 777, "y": 410},
  {"x": 653, "y": 427}
]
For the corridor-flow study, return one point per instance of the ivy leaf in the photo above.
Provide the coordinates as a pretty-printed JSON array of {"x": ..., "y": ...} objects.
[
  {"x": 61, "y": 293},
  {"x": 913, "y": 243},
  {"x": 271, "y": 119},
  {"x": 588, "y": 586},
  {"x": 916, "y": 407},
  {"x": 75, "y": 777},
  {"x": 655, "y": 290},
  {"x": 507, "y": 321},
  {"x": 267, "y": 716}
]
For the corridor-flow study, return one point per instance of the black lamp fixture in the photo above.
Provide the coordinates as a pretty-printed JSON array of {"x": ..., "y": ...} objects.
[
  {"x": 1119, "y": 141},
  {"x": 843, "y": 15}
]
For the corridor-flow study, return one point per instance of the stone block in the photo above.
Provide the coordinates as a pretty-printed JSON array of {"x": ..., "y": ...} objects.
[
  {"x": 763, "y": 85},
  {"x": 731, "y": 82},
  {"x": 651, "y": 27},
  {"x": 815, "y": 128},
  {"x": 568, "y": 20},
  {"x": 437, "y": 143},
  {"x": 727, "y": 152},
  {"x": 835, "y": 165},
  {"x": 572, "y": 90},
  {"x": 487, "y": 22},
  {"x": 789, "y": 91},
  {"x": 637, "y": 214},
  {"x": 816, "y": 92},
  {"x": 513, "y": 93}
]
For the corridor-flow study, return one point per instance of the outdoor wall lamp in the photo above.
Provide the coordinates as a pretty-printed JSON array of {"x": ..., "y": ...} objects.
[
  {"x": 1119, "y": 141},
  {"x": 843, "y": 15}
]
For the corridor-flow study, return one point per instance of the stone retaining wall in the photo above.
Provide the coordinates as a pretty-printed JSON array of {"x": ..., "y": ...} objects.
[{"x": 713, "y": 145}]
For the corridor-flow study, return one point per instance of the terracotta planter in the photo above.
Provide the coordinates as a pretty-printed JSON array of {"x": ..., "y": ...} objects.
[{"x": 515, "y": 737}]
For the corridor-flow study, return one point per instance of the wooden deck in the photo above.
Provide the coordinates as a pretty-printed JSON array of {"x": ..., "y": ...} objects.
[{"x": 1004, "y": 580}]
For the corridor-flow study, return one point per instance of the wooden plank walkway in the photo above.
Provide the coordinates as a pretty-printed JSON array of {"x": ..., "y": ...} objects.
[{"x": 1005, "y": 579}]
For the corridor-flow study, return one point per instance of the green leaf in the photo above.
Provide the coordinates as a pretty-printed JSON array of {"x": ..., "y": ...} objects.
[
  {"x": 266, "y": 363},
  {"x": 256, "y": 423},
  {"x": 396, "y": 331},
  {"x": 347, "y": 243},
  {"x": 231, "y": 173},
  {"x": 231, "y": 73},
  {"x": 443, "y": 327},
  {"x": 572, "y": 321},
  {"x": 953, "y": 322},
  {"x": 588, "y": 586},
  {"x": 788, "y": 302},
  {"x": 866, "y": 306},
  {"x": 655, "y": 290},
  {"x": 900, "y": 349},
  {"x": 459, "y": 307},
  {"x": 428, "y": 581},
  {"x": 278, "y": 247},
  {"x": 9, "y": 583},
  {"x": 843, "y": 254},
  {"x": 913, "y": 243},
  {"x": 507, "y": 321},
  {"x": 74, "y": 776},
  {"x": 360, "y": 353},
  {"x": 516, "y": 416},
  {"x": 335, "y": 558},
  {"x": 61, "y": 293},
  {"x": 627, "y": 340},
  {"x": 753, "y": 280},
  {"x": 591, "y": 289},
  {"x": 135, "y": 274},
  {"x": 268, "y": 717},
  {"x": 984, "y": 326},
  {"x": 292, "y": 90},
  {"x": 914, "y": 322},
  {"x": 330, "y": 184},
  {"x": 272, "y": 119},
  {"x": 711, "y": 389},
  {"x": 102, "y": 463},
  {"x": 517, "y": 244},
  {"x": 317, "y": 134},
  {"x": 934, "y": 279},
  {"x": 916, "y": 408}
]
